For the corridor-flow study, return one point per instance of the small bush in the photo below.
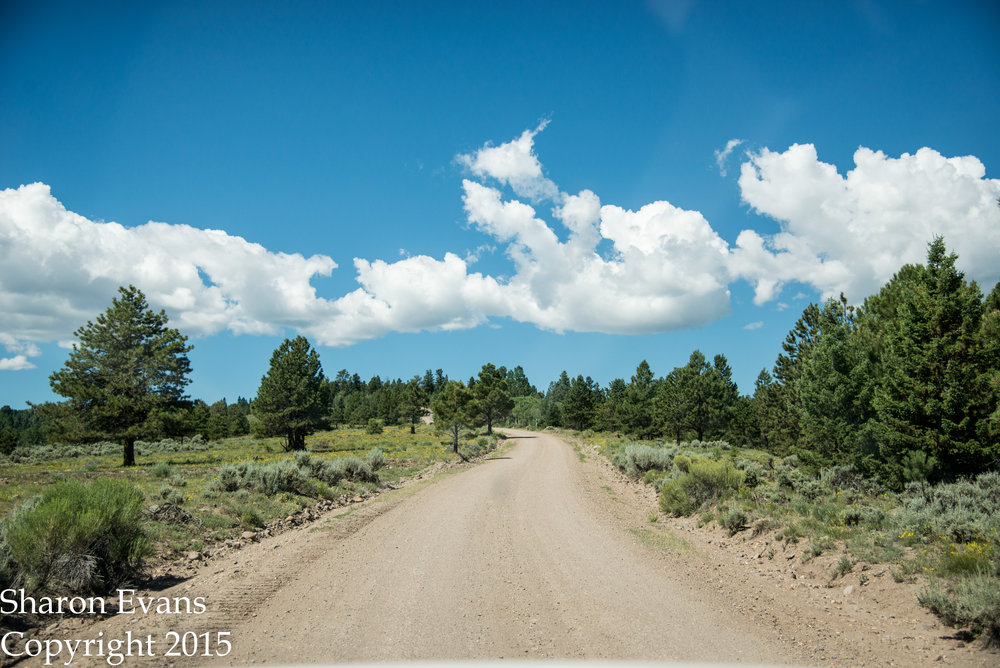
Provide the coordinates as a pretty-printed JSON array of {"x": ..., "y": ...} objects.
[
  {"x": 843, "y": 567},
  {"x": 973, "y": 603},
  {"x": 375, "y": 459},
  {"x": 636, "y": 459},
  {"x": 374, "y": 426},
  {"x": 168, "y": 494},
  {"x": 161, "y": 470},
  {"x": 706, "y": 480},
  {"x": 753, "y": 473},
  {"x": 842, "y": 477},
  {"x": 964, "y": 511},
  {"x": 735, "y": 520},
  {"x": 811, "y": 489},
  {"x": 251, "y": 519},
  {"x": 966, "y": 558},
  {"x": 79, "y": 537}
]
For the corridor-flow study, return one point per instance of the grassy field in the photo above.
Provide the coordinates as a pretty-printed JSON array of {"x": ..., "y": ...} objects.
[{"x": 186, "y": 474}]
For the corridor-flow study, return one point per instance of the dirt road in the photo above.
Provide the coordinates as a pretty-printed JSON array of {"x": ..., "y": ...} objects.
[
  {"x": 509, "y": 560},
  {"x": 532, "y": 554}
]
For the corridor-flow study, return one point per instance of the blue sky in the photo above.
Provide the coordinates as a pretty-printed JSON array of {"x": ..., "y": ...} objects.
[{"x": 544, "y": 184}]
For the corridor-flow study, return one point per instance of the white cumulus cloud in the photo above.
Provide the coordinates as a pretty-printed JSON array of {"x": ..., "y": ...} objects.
[
  {"x": 851, "y": 233},
  {"x": 577, "y": 264},
  {"x": 515, "y": 164}
]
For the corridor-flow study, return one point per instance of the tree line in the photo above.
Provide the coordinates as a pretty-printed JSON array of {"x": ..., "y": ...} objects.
[{"x": 906, "y": 386}]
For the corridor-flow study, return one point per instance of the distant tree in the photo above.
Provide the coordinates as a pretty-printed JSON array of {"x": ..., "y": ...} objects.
[
  {"x": 768, "y": 408},
  {"x": 670, "y": 408},
  {"x": 413, "y": 403},
  {"x": 558, "y": 389},
  {"x": 609, "y": 412},
  {"x": 637, "y": 408},
  {"x": 454, "y": 408},
  {"x": 723, "y": 396},
  {"x": 290, "y": 398},
  {"x": 518, "y": 384},
  {"x": 527, "y": 411},
  {"x": 492, "y": 395},
  {"x": 427, "y": 383},
  {"x": 125, "y": 367},
  {"x": 578, "y": 408}
]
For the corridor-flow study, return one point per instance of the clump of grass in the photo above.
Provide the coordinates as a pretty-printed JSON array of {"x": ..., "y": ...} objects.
[
  {"x": 78, "y": 537},
  {"x": 972, "y": 602},
  {"x": 843, "y": 567}
]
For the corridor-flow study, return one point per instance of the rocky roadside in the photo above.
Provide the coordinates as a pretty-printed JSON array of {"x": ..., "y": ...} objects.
[{"x": 861, "y": 617}]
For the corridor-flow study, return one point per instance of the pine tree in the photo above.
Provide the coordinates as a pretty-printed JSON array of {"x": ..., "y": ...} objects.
[
  {"x": 454, "y": 408},
  {"x": 413, "y": 403},
  {"x": 125, "y": 368},
  {"x": 827, "y": 393},
  {"x": 492, "y": 395},
  {"x": 934, "y": 394},
  {"x": 290, "y": 400},
  {"x": 638, "y": 410},
  {"x": 578, "y": 410}
]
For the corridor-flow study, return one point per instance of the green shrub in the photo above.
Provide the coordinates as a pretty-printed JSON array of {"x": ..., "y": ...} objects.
[
  {"x": 811, "y": 489},
  {"x": 161, "y": 470},
  {"x": 675, "y": 499},
  {"x": 972, "y": 557},
  {"x": 8, "y": 572},
  {"x": 683, "y": 463},
  {"x": 973, "y": 603},
  {"x": 842, "y": 477},
  {"x": 78, "y": 537},
  {"x": 753, "y": 473},
  {"x": 376, "y": 458},
  {"x": 735, "y": 520},
  {"x": 705, "y": 481},
  {"x": 374, "y": 426},
  {"x": 250, "y": 518},
  {"x": 167, "y": 494},
  {"x": 357, "y": 470},
  {"x": 636, "y": 459},
  {"x": 843, "y": 567},
  {"x": 964, "y": 511}
]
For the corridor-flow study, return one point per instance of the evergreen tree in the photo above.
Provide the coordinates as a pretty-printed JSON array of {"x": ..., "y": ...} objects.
[
  {"x": 518, "y": 384},
  {"x": 492, "y": 395},
  {"x": 578, "y": 409},
  {"x": 830, "y": 403},
  {"x": 670, "y": 406},
  {"x": 413, "y": 403},
  {"x": 638, "y": 408},
  {"x": 454, "y": 408},
  {"x": 126, "y": 367},
  {"x": 290, "y": 398},
  {"x": 609, "y": 413},
  {"x": 723, "y": 396},
  {"x": 935, "y": 394}
]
